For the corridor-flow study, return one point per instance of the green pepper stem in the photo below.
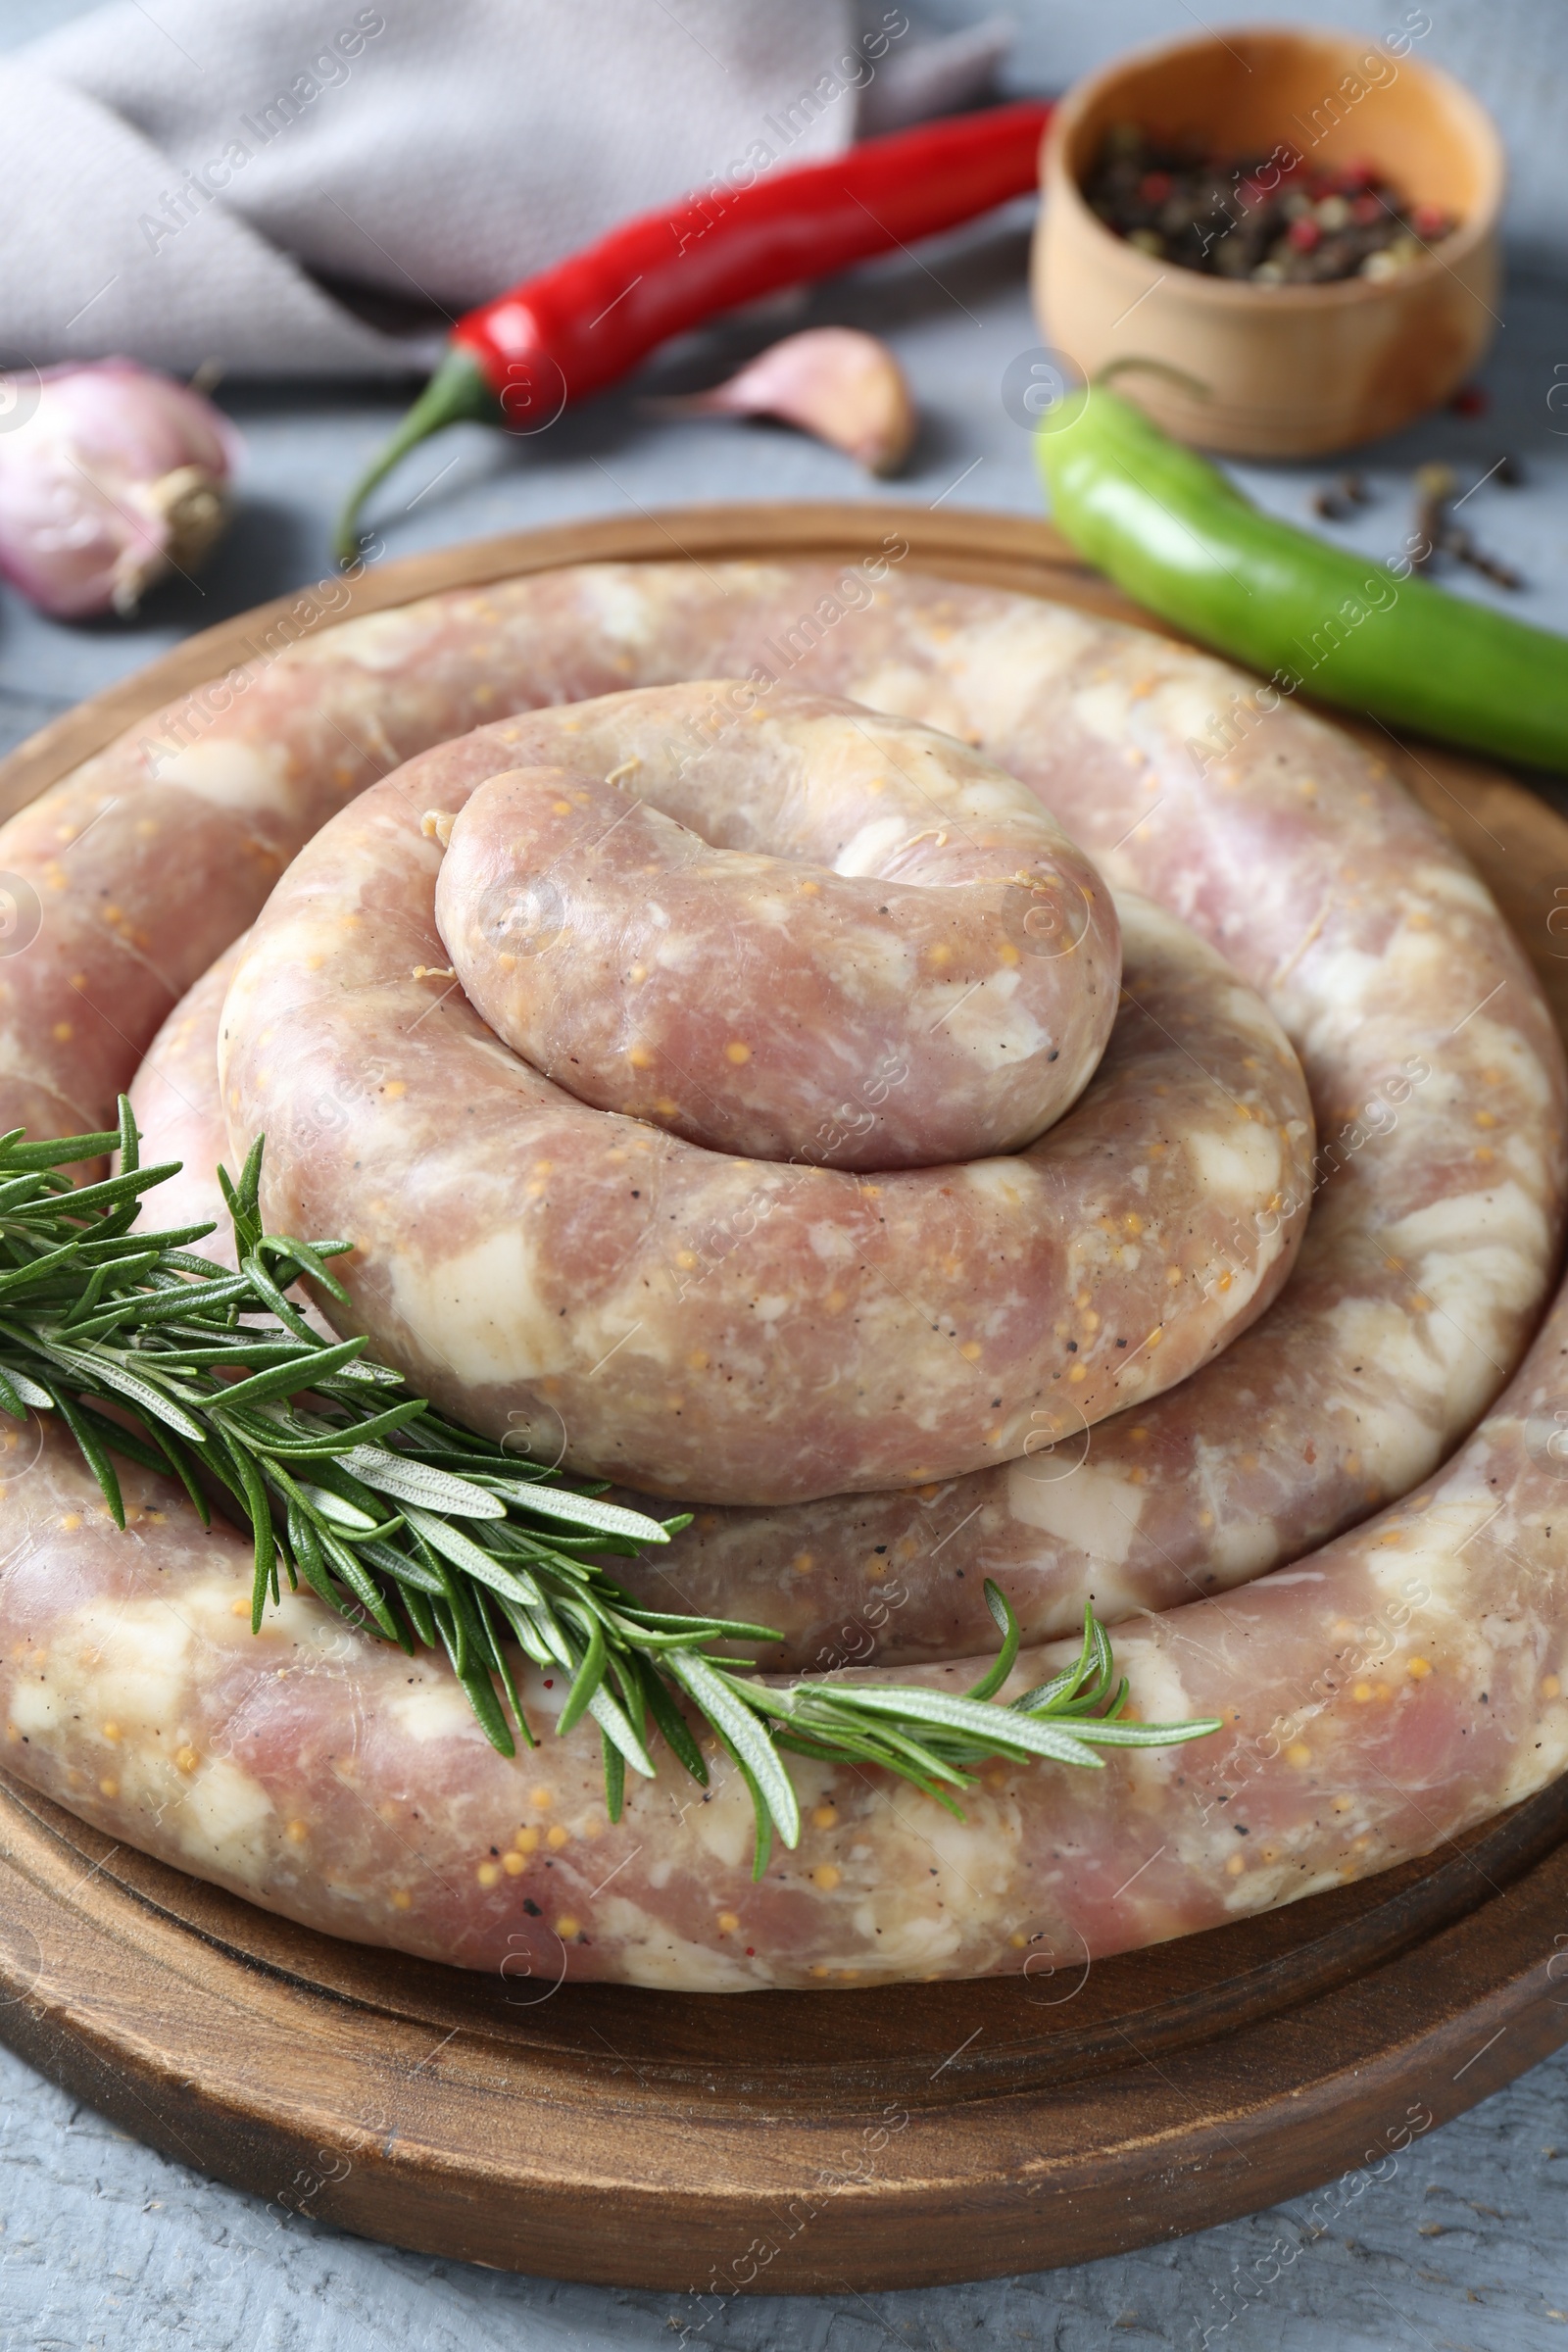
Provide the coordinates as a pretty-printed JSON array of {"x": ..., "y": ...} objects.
[{"x": 457, "y": 391}]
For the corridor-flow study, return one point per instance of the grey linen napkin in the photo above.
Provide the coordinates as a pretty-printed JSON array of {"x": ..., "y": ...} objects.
[{"x": 185, "y": 178}]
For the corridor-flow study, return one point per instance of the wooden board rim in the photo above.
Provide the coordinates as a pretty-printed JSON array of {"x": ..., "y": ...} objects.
[{"x": 318, "y": 2075}]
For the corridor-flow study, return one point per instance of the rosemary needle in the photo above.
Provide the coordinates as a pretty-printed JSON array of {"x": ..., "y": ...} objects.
[{"x": 406, "y": 1522}]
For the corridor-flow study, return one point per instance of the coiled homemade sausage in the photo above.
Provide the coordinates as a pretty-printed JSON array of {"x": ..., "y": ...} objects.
[{"x": 1353, "y": 1683}]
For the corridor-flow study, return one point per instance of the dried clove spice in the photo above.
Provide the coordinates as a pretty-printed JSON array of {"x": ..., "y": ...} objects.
[
  {"x": 1339, "y": 500},
  {"x": 1437, "y": 533}
]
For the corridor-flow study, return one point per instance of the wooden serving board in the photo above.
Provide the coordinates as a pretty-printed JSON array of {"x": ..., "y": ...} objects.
[{"x": 788, "y": 2141}]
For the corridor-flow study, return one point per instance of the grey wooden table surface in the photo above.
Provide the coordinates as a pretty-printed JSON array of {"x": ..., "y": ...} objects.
[{"x": 1464, "y": 2242}]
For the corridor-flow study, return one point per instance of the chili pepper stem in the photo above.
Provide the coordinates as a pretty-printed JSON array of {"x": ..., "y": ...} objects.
[{"x": 457, "y": 391}]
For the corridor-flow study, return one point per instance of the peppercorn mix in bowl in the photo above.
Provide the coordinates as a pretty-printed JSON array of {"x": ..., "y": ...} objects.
[{"x": 1295, "y": 229}]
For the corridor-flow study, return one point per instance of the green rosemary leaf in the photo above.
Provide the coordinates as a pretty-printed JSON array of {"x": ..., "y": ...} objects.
[
  {"x": 286, "y": 1379},
  {"x": 999, "y": 1731},
  {"x": 129, "y": 1444},
  {"x": 287, "y": 1313},
  {"x": 586, "y": 1681},
  {"x": 1063, "y": 1689},
  {"x": 481, "y": 1698},
  {"x": 306, "y": 1258},
  {"x": 241, "y": 1200},
  {"x": 1007, "y": 1626},
  {"x": 21, "y": 1279},
  {"x": 92, "y": 1372},
  {"x": 311, "y": 1558},
  {"x": 328, "y": 1446},
  {"x": 617, "y": 1728},
  {"x": 1145, "y": 1735},
  {"x": 115, "y": 1191},
  {"x": 92, "y": 1452},
  {"x": 874, "y": 1741},
  {"x": 417, "y": 1605},
  {"x": 168, "y": 1244},
  {"x": 732, "y": 1715},
  {"x": 554, "y": 1502},
  {"x": 706, "y": 1629},
  {"x": 762, "y": 1813},
  {"x": 614, "y": 1778},
  {"x": 155, "y": 1448},
  {"x": 408, "y": 1571},
  {"x": 177, "y": 1353},
  {"x": 422, "y": 1483},
  {"x": 348, "y": 1521},
  {"x": 258, "y": 1510},
  {"x": 172, "y": 1304},
  {"x": 343, "y": 1564},
  {"x": 672, "y": 1726},
  {"x": 462, "y": 1553},
  {"x": 488, "y": 1609},
  {"x": 18, "y": 1391},
  {"x": 63, "y": 1152}
]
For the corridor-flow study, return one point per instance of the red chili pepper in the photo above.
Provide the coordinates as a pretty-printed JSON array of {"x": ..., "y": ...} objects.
[{"x": 589, "y": 320}]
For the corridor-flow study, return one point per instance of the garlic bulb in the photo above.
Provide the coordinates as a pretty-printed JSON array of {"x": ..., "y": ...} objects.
[{"x": 110, "y": 477}]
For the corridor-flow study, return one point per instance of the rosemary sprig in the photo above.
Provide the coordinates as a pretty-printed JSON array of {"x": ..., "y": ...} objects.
[{"x": 404, "y": 1521}]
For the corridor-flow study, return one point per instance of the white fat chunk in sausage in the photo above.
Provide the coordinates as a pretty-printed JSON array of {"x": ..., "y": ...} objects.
[
  {"x": 140, "y": 1669},
  {"x": 1005, "y": 666},
  {"x": 1458, "y": 887},
  {"x": 386, "y": 642},
  {"x": 1243, "y": 1162},
  {"x": 237, "y": 776},
  {"x": 725, "y": 1824},
  {"x": 224, "y": 1817},
  {"x": 1098, "y": 1510},
  {"x": 657, "y": 1959},
  {"x": 994, "y": 1031},
  {"x": 1437, "y": 1561},
  {"x": 1240, "y": 1547},
  {"x": 868, "y": 847},
  {"x": 432, "y": 1711},
  {"x": 481, "y": 1311}
]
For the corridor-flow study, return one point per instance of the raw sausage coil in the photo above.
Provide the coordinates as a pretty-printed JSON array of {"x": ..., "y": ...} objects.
[{"x": 1390, "y": 1687}]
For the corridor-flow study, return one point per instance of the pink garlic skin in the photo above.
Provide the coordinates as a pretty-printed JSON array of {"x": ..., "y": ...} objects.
[
  {"x": 108, "y": 477},
  {"x": 834, "y": 381}
]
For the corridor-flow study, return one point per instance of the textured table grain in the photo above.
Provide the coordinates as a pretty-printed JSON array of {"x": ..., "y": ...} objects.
[{"x": 1459, "y": 2241}]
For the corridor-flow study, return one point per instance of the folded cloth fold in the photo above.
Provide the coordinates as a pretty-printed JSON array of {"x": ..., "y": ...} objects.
[{"x": 206, "y": 184}]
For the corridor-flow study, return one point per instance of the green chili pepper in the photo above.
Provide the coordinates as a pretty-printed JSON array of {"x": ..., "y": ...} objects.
[{"x": 1172, "y": 530}]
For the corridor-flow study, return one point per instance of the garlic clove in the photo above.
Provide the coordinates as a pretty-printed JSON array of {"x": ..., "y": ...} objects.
[{"x": 835, "y": 382}]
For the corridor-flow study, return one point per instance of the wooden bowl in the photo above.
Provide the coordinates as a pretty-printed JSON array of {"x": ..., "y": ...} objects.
[{"x": 1293, "y": 371}]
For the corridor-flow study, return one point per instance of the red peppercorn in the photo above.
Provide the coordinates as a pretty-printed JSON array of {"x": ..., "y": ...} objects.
[
  {"x": 1472, "y": 400},
  {"x": 1429, "y": 221},
  {"x": 1365, "y": 210},
  {"x": 1154, "y": 186},
  {"x": 1305, "y": 235}
]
